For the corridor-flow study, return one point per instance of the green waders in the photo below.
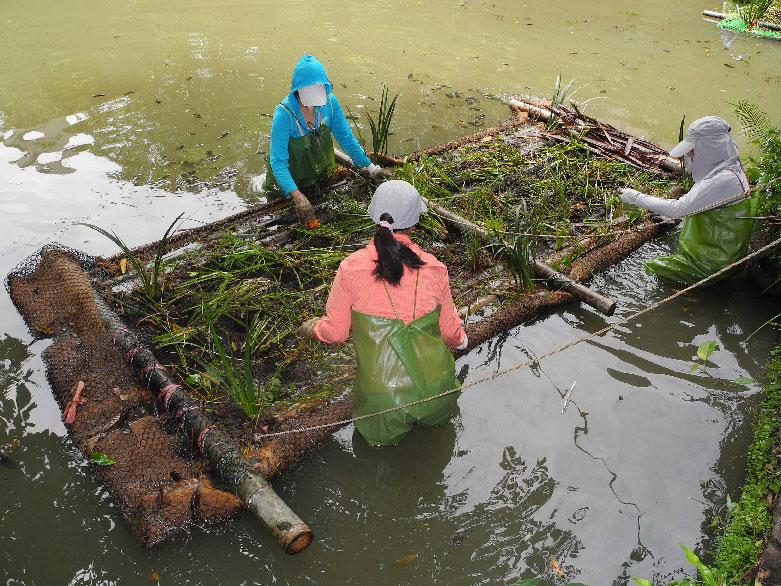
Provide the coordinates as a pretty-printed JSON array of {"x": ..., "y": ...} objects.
[
  {"x": 399, "y": 364},
  {"x": 311, "y": 158},
  {"x": 708, "y": 242}
]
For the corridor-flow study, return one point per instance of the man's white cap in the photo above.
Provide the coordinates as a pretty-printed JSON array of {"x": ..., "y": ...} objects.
[
  {"x": 399, "y": 199},
  {"x": 312, "y": 95},
  {"x": 707, "y": 127}
]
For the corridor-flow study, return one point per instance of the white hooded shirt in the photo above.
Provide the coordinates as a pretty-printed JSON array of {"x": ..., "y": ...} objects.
[{"x": 715, "y": 168}]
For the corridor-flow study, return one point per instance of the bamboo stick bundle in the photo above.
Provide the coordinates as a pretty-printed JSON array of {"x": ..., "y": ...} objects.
[{"x": 580, "y": 122}]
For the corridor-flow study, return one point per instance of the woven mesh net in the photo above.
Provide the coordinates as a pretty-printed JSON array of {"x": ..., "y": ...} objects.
[{"x": 132, "y": 417}]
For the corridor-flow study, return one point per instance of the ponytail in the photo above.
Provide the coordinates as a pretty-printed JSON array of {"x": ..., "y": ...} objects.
[{"x": 392, "y": 255}]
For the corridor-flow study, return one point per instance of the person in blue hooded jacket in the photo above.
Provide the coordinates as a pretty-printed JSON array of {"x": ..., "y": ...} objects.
[{"x": 302, "y": 132}]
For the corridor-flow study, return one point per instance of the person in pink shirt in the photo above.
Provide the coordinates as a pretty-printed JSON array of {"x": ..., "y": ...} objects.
[{"x": 396, "y": 299}]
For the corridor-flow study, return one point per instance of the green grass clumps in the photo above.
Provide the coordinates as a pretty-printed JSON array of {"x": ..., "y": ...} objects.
[
  {"x": 225, "y": 313},
  {"x": 554, "y": 186},
  {"x": 749, "y": 518}
]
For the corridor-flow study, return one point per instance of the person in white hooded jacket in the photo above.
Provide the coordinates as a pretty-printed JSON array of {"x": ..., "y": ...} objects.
[{"x": 714, "y": 233}]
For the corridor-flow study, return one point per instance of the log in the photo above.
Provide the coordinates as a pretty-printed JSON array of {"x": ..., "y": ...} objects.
[
  {"x": 594, "y": 299},
  {"x": 540, "y": 112},
  {"x": 600, "y": 302},
  {"x": 288, "y": 529},
  {"x": 343, "y": 159},
  {"x": 477, "y": 305}
]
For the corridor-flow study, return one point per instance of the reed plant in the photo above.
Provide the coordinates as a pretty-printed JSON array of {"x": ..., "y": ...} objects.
[
  {"x": 381, "y": 127},
  {"x": 516, "y": 252},
  {"x": 150, "y": 281},
  {"x": 234, "y": 374}
]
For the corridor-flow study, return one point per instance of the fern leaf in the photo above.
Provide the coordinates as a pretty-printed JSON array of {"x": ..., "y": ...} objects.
[{"x": 753, "y": 121}]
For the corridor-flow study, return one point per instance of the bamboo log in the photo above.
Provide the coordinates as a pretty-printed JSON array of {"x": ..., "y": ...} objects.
[
  {"x": 600, "y": 302},
  {"x": 721, "y": 16},
  {"x": 594, "y": 299},
  {"x": 343, "y": 159},
  {"x": 477, "y": 305},
  {"x": 288, "y": 529},
  {"x": 539, "y": 111}
]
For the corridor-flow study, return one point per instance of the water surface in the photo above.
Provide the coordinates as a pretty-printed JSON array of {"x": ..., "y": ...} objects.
[{"x": 125, "y": 114}]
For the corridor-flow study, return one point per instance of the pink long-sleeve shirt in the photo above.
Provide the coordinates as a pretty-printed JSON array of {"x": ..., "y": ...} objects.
[{"x": 355, "y": 287}]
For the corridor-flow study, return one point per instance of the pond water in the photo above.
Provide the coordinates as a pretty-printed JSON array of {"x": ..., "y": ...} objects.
[{"x": 117, "y": 114}]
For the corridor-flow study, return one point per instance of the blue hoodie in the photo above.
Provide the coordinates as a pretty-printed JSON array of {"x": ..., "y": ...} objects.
[{"x": 308, "y": 71}]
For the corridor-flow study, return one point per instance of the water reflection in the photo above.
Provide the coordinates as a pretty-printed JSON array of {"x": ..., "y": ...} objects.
[
  {"x": 47, "y": 147},
  {"x": 15, "y": 398}
]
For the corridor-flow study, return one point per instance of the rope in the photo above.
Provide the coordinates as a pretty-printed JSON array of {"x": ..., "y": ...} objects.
[{"x": 530, "y": 361}]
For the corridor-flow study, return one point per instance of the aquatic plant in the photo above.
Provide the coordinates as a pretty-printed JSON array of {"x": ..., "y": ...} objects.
[
  {"x": 235, "y": 374},
  {"x": 517, "y": 253},
  {"x": 561, "y": 95},
  {"x": 149, "y": 278},
  {"x": 754, "y": 122},
  {"x": 708, "y": 576},
  {"x": 687, "y": 181},
  {"x": 472, "y": 248},
  {"x": 748, "y": 520},
  {"x": 766, "y": 166},
  {"x": 381, "y": 127}
]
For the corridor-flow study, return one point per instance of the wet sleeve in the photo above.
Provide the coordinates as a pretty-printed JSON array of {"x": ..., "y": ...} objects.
[
  {"x": 449, "y": 323},
  {"x": 344, "y": 136},
  {"x": 706, "y": 193},
  {"x": 278, "y": 153},
  {"x": 335, "y": 326}
]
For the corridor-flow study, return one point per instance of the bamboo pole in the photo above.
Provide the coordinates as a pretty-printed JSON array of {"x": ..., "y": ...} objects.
[
  {"x": 343, "y": 159},
  {"x": 600, "y": 302},
  {"x": 288, "y": 529},
  {"x": 477, "y": 305}
]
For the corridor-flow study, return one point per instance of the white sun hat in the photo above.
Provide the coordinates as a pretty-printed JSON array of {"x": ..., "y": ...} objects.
[
  {"x": 312, "y": 95},
  {"x": 399, "y": 199},
  {"x": 703, "y": 128}
]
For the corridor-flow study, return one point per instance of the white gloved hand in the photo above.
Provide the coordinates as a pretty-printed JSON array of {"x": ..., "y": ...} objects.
[
  {"x": 628, "y": 195},
  {"x": 372, "y": 171}
]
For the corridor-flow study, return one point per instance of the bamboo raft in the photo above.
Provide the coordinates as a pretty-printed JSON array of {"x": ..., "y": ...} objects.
[{"x": 235, "y": 450}]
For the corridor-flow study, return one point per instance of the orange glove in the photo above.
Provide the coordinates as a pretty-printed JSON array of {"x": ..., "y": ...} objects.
[{"x": 305, "y": 212}]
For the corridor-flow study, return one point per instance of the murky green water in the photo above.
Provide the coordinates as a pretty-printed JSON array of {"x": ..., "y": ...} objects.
[{"x": 116, "y": 113}]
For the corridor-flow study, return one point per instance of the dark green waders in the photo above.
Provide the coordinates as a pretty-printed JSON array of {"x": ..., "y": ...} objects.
[
  {"x": 311, "y": 158},
  {"x": 398, "y": 364},
  {"x": 708, "y": 242}
]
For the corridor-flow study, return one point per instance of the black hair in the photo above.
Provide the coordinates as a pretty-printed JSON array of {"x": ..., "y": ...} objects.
[{"x": 392, "y": 255}]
